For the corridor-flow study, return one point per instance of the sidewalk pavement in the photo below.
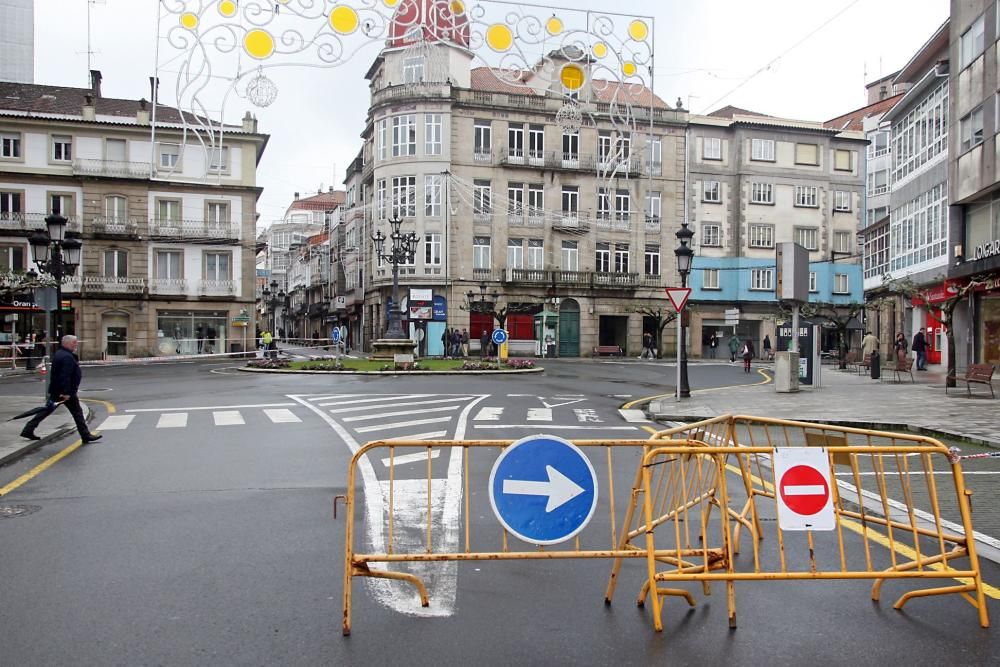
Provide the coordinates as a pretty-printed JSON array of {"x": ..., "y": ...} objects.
[
  {"x": 12, "y": 445},
  {"x": 849, "y": 399}
]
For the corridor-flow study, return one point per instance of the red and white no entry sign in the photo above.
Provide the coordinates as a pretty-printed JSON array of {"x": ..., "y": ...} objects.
[{"x": 804, "y": 495}]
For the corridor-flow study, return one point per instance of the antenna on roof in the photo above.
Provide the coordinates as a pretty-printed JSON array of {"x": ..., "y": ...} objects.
[{"x": 90, "y": 51}]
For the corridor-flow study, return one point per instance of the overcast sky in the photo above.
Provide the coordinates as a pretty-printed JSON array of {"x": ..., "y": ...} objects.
[{"x": 710, "y": 53}]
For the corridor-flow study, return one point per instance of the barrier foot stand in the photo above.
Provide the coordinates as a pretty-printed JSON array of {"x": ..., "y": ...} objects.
[
  {"x": 954, "y": 554},
  {"x": 944, "y": 590},
  {"x": 364, "y": 571},
  {"x": 662, "y": 592}
]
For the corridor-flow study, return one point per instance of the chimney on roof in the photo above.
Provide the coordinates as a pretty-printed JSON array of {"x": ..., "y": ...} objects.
[
  {"x": 95, "y": 82},
  {"x": 89, "y": 111},
  {"x": 296, "y": 196},
  {"x": 883, "y": 92},
  {"x": 154, "y": 89},
  {"x": 249, "y": 123},
  {"x": 142, "y": 115},
  {"x": 331, "y": 189}
]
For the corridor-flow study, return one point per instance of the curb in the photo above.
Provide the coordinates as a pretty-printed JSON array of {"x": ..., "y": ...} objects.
[
  {"x": 31, "y": 445},
  {"x": 518, "y": 371}
]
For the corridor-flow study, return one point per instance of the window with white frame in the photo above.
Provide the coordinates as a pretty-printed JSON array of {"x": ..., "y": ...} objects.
[
  {"x": 536, "y": 141},
  {"x": 876, "y": 252},
  {"x": 603, "y": 146},
  {"x": 404, "y": 135},
  {"x": 12, "y": 258},
  {"x": 515, "y": 253},
  {"x": 570, "y": 256},
  {"x": 712, "y": 148},
  {"x": 571, "y": 145},
  {"x": 918, "y": 229},
  {"x": 623, "y": 147},
  {"x": 651, "y": 260},
  {"x": 807, "y": 154},
  {"x": 481, "y": 252},
  {"x": 218, "y": 159},
  {"x": 536, "y": 200},
  {"x": 710, "y": 278},
  {"x": 10, "y": 146},
  {"x": 432, "y": 195},
  {"x": 812, "y": 282},
  {"x": 217, "y": 212},
  {"x": 842, "y": 242},
  {"x": 761, "y": 193},
  {"x": 603, "y": 204},
  {"x": 711, "y": 235},
  {"x": 654, "y": 206},
  {"x": 842, "y": 200},
  {"x": 621, "y": 258},
  {"x": 840, "y": 283},
  {"x": 433, "y": 133},
  {"x": 807, "y": 237},
  {"x": 762, "y": 150},
  {"x": 711, "y": 192},
  {"x": 10, "y": 205},
  {"x": 571, "y": 200},
  {"x": 602, "y": 258},
  {"x": 218, "y": 265},
  {"x": 432, "y": 249},
  {"x": 972, "y": 42},
  {"x": 61, "y": 204},
  {"x": 482, "y": 197},
  {"x": 115, "y": 150},
  {"x": 115, "y": 208},
  {"x": 170, "y": 156},
  {"x": 761, "y": 236},
  {"x": 878, "y": 143},
  {"x": 656, "y": 156},
  {"x": 971, "y": 129},
  {"x": 623, "y": 205},
  {"x": 62, "y": 148},
  {"x": 169, "y": 264},
  {"x": 404, "y": 196},
  {"x": 413, "y": 69},
  {"x": 380, "y": 199},
  {"x": 482, "y": 140},
  {"x": 115, "y": 263},
  {"x": 807, "y": 195},
  {"x": 515, "y": 140},
  {"x": 381, "y": 141},
  {"x": 762, "y": 279},
  {"x": 922, "y": 134},
  {"x": 536, "y": 254},
  {"x": 878, "y": 182}
]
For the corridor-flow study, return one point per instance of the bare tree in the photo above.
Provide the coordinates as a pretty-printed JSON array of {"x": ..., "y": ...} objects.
[
  {"x": 839, "y": 317},
  {"x": 661, "y": 316}
]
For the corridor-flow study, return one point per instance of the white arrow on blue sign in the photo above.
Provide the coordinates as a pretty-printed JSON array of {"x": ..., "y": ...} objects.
[
  {"x": 543, "y": 489},
  {"x": 499, "y": 337},
  {"x": 335, "y": 334}
]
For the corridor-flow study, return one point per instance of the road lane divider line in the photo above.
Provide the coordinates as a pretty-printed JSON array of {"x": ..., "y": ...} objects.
[
  {"x": 648, "y": 399},
  {"x": 411, "y": 458},
  {"x": 401, "y": 405},
  {"x": 400, "y": 413}
]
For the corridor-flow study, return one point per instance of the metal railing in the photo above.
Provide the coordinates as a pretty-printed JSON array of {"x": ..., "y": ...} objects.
[
  {"x": 27, "y": 222},
  {"x": 113, "y": 285},
  {"x": 111, "y": 168},
  {"x": 116, "y": 225},
  {"x": 218, "y": 287},
  {"x": 167, "y": 286},
  {"x": 202, "y": 229}
]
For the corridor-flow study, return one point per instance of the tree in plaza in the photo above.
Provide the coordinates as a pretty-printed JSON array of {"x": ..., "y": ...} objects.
[
  {"x": 838, "y": 316},
  {"x": 662, "y": 315},
  {"x": 955, "y": 295},
  {"x": 19, "y": 282}
]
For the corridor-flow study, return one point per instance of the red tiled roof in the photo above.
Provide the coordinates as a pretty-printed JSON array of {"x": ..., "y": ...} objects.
[
  {"x": 855, "y": 119},
  {"x": 730, "y": 111},
  {"x": 496, "y": 81},
  {"x": 323, "y": 201}
]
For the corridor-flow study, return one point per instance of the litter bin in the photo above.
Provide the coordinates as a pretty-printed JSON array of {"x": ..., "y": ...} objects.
[
  {"x": 876, "y": 365},
  {"x": 550, "y": 351}
]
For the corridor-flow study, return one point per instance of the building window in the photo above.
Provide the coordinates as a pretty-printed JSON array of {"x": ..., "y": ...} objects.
[
  {"x": 842, "y": 242},
  {"x": 840, "y": 283},
  {"x": 921, "y": 135},
  {"x": 10, "y": 146},
  {"x": 878, "y": 143},
  {"x": 536, "y": 254},
  {"x": 621, "y": 258},
  {"x": 571, "y": 201},
  {"x": 654, "y": 206},
  {"x": 536, "y": 142},
  {"x": 413, "y": 70},
  {"x": 380, "y": 199},
  {"x": 651, "y": 260},
  {"x": 762, "y": 279},
  {"x": 806, "y": 196},
  {"x": 170, "y": 156},
  {"x": 873, "y": 215},
  {"x": 115, "y": 264},
  {"x": 842, "y": 200},
  {"x": 218, "y": 160},
  {"x": 62, "y": 148},
  {"x": 481, "y": 252},
  {"x": 12, "y": 258},
  {"x": 10, "y": 205},
  {"x": 380, "y": 139},
  {"x": 603, "y": 147},
  {"x": 515, "y": 201},
  {"x": 515, "y": 253},
  {"x": 623, "y": 147},
  {"x": 761, "y": 193},
  {"x": 878, "y": 182},
  {"x": 432, "y": 249},
  {"x": 623, "y": 206},
  {"x": 762, "y": 150},
  {"x": 602, "y": 258},
  {"x": 61, "y": 204},
  {"x": 404, "y": 135},
  {"x": 761, "y": 236},
  {"x": 571, "y": 146},
  {"x": 806, "y": 154},
  {"x": 603, "y": 204},
  {"x": 570, "y": 256},
  {"x": 432, "y": 196},
  {"x": 656, "y": 157},
  {"x": 404, "y": 196},
  {"x": 711, "y": 236},
  {"x": 433, "y": 133},
  {"x": 218, "y": 266},
  {"x": 711, "y": 192},
  {"x": 712, "y": 148},
  {"x": 536, "y": 200},
  {"x": 812, "y": 282},
  {"x": 918, "y": 229},
  {"x": 971, "y": 128},
  {"x": 169, "y": 264},
  {"x": 515, "y": 141},
  {"x": 972, "y": 42},
  {"x": 710, "y": 278},
  {"x": 483, "y": 140},
  {"x": 482, "y": 196},
  {"x": 807, "y": 237},
  {"x": 842, "y": 160}
]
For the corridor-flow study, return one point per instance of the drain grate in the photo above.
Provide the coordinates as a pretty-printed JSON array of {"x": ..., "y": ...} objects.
[{"x": 11, "y": 511}]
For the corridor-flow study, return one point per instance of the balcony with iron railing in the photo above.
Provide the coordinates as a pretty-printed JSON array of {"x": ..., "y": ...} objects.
[
  {"x": 218, "y": 287},
  {"x": 419, "y": 90},
  {"x": 619, "y": 222},
  {"x": 116, "y": 226},
  {"x": 197, "y": 229},
  {"x": 113, "y": 285},
  {"x": 111, "y": 168},
  {"x": 167, "y": 286},
  {"x": 28, "y": 222},
  {"x": 602, "y": 165},
  {"x": 653, "y": 223}
]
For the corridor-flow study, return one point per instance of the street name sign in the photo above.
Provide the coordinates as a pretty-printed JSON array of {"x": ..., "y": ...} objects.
[
  {"x": 543, "y": 489},
  {"x": 678, "y": 296},
  {"x": 805, "y": 500}
]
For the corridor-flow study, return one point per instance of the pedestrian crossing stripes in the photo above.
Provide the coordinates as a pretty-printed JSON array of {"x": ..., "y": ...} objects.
[
  {"x": 116, "y": 423},
  {"x": 228, "y": 418},
  {"x": 172, "y": 420},
  {"x": 182, "y": 418}
]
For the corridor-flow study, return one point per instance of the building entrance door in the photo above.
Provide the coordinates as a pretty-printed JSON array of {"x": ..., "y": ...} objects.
[
  {"x": 935, "y": 336},
  {"x": 569, "y": 328},
  {"x": 114, "y": 328}
]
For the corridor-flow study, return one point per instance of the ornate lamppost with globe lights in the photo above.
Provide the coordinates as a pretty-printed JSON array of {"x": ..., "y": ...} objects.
[
  {"x": 58, "y": 255},
  {"x": 402, "y": 249}
]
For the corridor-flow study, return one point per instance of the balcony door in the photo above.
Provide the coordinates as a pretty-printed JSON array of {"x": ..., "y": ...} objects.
[{"x": 114, "y": 334}]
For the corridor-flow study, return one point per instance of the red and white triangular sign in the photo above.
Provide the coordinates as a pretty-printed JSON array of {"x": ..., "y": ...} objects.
[{"x": 678, "y": 296}]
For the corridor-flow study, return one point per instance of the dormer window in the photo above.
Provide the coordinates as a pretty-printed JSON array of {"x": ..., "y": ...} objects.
[{"x": 413, "y": 70}]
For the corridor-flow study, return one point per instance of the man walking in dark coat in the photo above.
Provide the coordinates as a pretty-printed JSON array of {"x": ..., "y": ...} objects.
[
  {"x": 920, "y": 349},
  {"x": 63, "y": 387}
]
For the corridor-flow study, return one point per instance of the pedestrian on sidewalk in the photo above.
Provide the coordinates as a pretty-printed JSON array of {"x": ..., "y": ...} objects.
[
  {"x": 868, "y": 344},
  {"x": 768, "y": 353},
  {"x": 64, "y": 383},
  {"x": 456, "y": 342},
  {"x": 647, "y": 346},
  {"x": 713, "y": 345},
  {"x": 748, "y": 353},
  {"x": 900, "y": 346},
  {"x": 734, "y": 346},
  {"x": 484, "y": 344},
  {"x": 267, "y": 342},
  {"x": 465, "y": 342},
  {"x": 920, "y": 349}
]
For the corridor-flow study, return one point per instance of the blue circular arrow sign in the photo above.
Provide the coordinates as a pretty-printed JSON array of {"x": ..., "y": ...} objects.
[
  {"x": 335, "y": 335},
  {"x": 499, "y": 336},
  {"x": 543, "y": 489}
]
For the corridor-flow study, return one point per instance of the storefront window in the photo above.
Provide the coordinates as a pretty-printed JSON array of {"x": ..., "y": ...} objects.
[
  {"x": 989, "y": 329},
  {"x": 186, "y": 332}
]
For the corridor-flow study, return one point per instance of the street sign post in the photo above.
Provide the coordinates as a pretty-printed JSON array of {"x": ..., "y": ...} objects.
[
  {"x": 335, "y": 338},
  {"x": 805, "y": 499},
  {"x": 499, "y": 339},
  {"x": 678, "y": 297},
  {"x": 543, "y": 489}
]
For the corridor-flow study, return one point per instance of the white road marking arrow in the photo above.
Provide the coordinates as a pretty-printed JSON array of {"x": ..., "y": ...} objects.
[{"x": 560, "y": 489}]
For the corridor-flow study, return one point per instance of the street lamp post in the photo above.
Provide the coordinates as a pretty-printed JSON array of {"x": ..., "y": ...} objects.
[
  {"x": 403, "y": 248},
  {"x": 684, "y": 254},
  {"x": 272, "y": 297},
  {"x": 58, "y": 256}
]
